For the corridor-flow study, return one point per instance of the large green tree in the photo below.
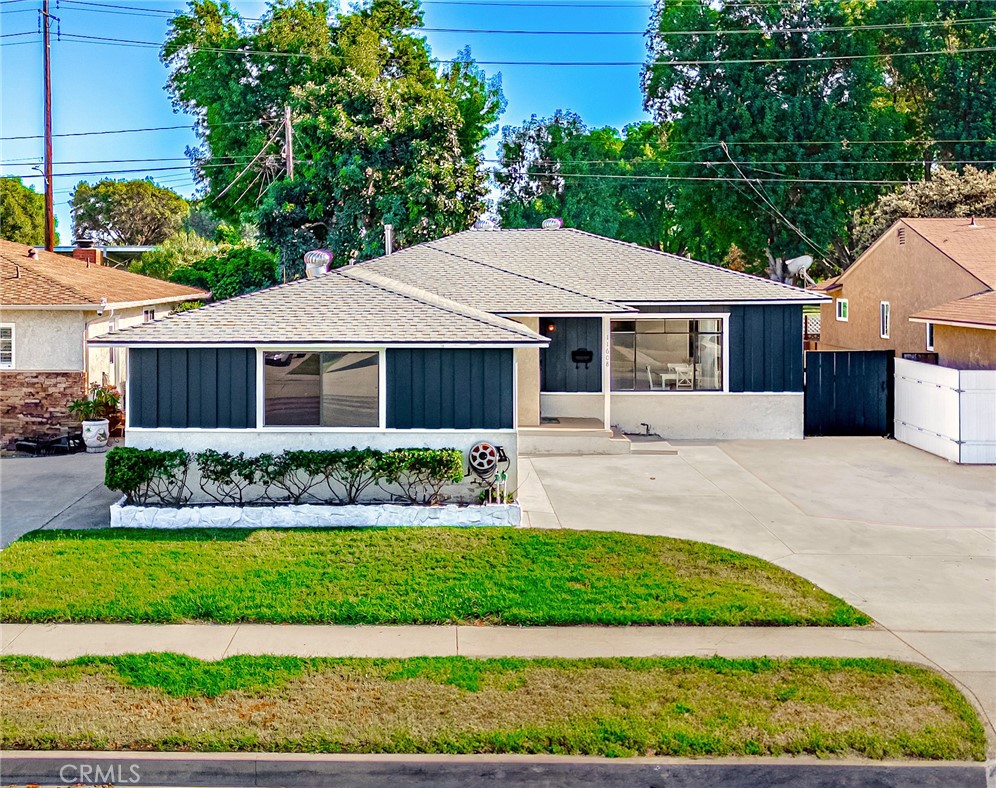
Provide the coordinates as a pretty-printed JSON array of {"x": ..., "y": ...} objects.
[
  {"x": 126, "y": 212},
  {"x": 558, "y": 167},
  {"x": 948, "y": 193},
  {"x": 381, "y": 133},
  {"x": 22, "y": 213},
  {"x": 765, "y": 107}
]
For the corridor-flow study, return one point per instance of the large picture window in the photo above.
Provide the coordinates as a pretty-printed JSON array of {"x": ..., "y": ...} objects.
[
  {"x": 329, "y": 389},
  {"x": 667, "y": 355}
]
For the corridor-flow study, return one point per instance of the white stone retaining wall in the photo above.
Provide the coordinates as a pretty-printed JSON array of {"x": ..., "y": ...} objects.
[{"x": 312, "y": 516}]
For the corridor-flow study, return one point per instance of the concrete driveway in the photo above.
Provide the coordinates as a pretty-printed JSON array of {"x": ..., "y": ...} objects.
[
  {"x": 52, "y": 492},
  {"x": 903, "y": 535}
]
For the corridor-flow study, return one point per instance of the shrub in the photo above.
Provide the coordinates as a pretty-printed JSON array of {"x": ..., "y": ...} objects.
[
  {"x": 294, "y": 472},
  {"x": 353, "y": 470},
  {"x": 225, "y": 477},
  {"x": 421, "y": 473},
  {"x": 148, "y": 475}
]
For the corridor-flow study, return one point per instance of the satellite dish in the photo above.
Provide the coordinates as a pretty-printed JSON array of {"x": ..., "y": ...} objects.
[{"x": 799, "y": 266}]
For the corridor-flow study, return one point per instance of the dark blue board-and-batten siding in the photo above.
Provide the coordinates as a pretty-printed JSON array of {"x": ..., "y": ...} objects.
[
  {"x": 765, "y": 344},
  {"x": 450, "y": 388},
  {"x": 558, "y": 371},
  {"x": 210, "y": 388}
]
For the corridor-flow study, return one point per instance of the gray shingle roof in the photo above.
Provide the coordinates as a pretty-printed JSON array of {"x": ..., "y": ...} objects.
[
  {"x": 483, "y": 284},
  {"x": 347, "y": 306},
  {"x": 613, "y": 270}
]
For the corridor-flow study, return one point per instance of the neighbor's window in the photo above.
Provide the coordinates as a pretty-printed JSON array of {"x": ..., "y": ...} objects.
[
  {"x": 321, "y": 389},
  {"x": 841, "y": 309},
  {"x": 7, "y": 346},
  {"x": 667, "y": 355},
  {"x": 148, "y": 315},
  {"x": 930, "y": 336},
  {"x": 884, "y": 315}
]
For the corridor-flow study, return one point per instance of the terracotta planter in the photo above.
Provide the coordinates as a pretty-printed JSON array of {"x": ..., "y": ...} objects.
[
  {"x": 95, "y": 435},
  {"x": 116, "y": 421}
]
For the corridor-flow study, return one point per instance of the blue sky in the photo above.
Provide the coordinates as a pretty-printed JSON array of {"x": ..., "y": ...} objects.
[{"x": 98, "y": 86}]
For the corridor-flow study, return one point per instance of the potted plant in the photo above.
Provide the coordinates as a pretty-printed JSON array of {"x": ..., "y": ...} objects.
[{"x": 94, "y": 410}]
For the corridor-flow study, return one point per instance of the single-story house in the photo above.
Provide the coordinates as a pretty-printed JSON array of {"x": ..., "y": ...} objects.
[
  {"x": 51, "y": 307},
  {"x": 507, "y": 336},
  {"x": 923, "y": 287}
]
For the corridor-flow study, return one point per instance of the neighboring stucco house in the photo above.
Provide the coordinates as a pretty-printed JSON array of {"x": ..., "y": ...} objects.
[
  {"x": 51, "y": 306},
  {"x": 924, "y": 286},
  {"x": 497, "y": 335}
]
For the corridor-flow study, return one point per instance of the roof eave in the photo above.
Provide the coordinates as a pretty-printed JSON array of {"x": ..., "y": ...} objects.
[
  {"x": 92, "y": 307},
  {"x": 940, "y": 321},
  {"x": 110, "y": 341}
]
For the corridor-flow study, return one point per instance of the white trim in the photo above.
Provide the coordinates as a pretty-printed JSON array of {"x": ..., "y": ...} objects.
[
  {"x": 884, "y": 319},
  {"x": 723, "y": 317},
  {"x": 276, "y": 430},
  {"x": 815, "y": 299},
  {"x": 13, "y": 352},
  {"x": 955, "y": 323},
  {"x": 837, "y": 311},
  {"x": 277, "y": 347},
  {"x": 116, "y": 305},
  {"x": 515, "y": 391},
  {"x": 930, "y": 335},
  {"x": 606, "y": 372},
  {"x": 602, "y": 313}
]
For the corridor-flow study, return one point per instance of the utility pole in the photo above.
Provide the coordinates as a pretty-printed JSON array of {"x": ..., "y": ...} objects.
[
  {"x": 49, "y": 186},
  {"x": 288, "y": 142}
]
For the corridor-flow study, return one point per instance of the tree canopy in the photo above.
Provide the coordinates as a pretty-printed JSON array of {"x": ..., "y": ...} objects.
[
  {"x": 381, "y": 134},
  {"x": 125, "y": 213},
  {"x": 558, "y": 167},
  {"x": 947, "y": 194},
  {"x": 22, "y": 213},
  {"x": 234, "y": 272}
]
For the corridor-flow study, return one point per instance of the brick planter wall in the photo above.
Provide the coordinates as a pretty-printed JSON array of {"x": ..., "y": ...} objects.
[{"x": 34, "y": 403}]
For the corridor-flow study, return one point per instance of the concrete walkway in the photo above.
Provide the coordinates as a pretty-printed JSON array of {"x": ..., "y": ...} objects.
[
  {"x": 904, "y": 536},
  {"x": 216, "y": 641},
  {"x": 52, "y": 492}
]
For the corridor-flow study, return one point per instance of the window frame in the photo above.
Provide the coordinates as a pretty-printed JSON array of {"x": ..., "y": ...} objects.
[
  {"x": 841, "y": 314},
  {"x": 722, "y": 317},
  {"x": 148, "y": 314},
  {"x": 929, "y": 329},
  {"x": 884, "y": 319},
  {"x": 13, "y": 346},
  {"x": 261, "y": 390}
]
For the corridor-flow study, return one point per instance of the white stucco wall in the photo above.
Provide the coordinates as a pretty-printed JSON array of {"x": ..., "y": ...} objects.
[
  {"x": 274, "y": 441},
  {"x": 711, "y": 416},
  {"x": 100, "y": 367},
  {"x": 46, "y": 339},
  {"x": 572, "y": 406}
]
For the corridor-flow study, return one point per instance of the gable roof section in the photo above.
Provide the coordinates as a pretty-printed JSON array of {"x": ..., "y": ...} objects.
[
  {"x": 345, "y": 307},
  {"x": 975, "y": 311},
  {"x": 484, "y": 285},
  {"x": 610, "y": 270},
  {"x": 972, "y": 246},
  {"x": 53, "y": 280}
]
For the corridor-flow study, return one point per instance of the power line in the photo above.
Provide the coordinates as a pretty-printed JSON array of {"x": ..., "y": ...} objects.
[
  {"x": 128, "y": 131},
  {"x": 845, "y": 181},
  {"x": 673, "y": 3},
  {"x": 739, "y": 31},
  {"x": 78, "y": 38}
]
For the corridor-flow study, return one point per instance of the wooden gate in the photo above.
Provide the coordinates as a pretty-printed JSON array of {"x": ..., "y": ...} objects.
[{"x": 849, "y": 392}]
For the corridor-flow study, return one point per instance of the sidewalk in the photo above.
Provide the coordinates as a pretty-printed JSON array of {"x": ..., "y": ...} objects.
[{"x": 216, "y": 641}]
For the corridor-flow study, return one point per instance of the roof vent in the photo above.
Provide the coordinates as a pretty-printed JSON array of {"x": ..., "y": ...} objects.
[
  {"x": 317, "y": 262},
  {"x": 902, "y": 236},
  {"x": 484, "y": 223},
  {"x": 32, "y": 253},
  {"x": 552, "y": 224}
]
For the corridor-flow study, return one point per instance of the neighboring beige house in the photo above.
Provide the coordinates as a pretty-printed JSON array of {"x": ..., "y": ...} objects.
[
  {"x": 924, "y": 286},
  {"x": 50, "y": 305}
]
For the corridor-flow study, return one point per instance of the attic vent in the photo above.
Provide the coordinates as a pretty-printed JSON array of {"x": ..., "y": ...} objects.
[
  {"x": 901, "y": 232},
  {"x": 552, "y": 224}
]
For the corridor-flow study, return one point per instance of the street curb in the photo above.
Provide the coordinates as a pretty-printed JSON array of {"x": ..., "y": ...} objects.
[{"x": 293, "y": 770}]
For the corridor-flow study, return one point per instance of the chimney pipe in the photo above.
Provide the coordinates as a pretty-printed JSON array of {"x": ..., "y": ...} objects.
[
  {"x": 85, "y": 251},
  {"x": 388, "y": 238}
]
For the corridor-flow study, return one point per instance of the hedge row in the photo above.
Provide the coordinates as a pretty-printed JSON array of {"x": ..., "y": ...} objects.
[{"x": 160, "y": 477}]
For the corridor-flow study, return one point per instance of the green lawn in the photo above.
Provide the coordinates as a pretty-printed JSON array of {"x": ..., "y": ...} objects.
[
  {"x": 615, "y": 707},
  {"x": 401, "y": 576}
]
